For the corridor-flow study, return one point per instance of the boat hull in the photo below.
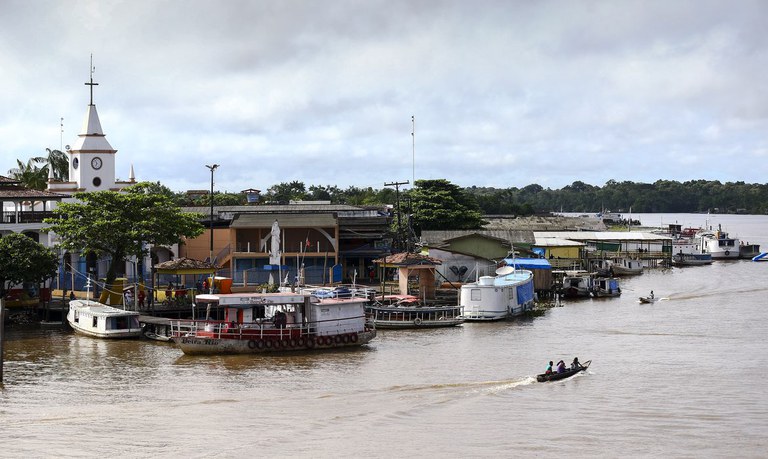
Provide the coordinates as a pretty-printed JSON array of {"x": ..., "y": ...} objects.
[
  {"x": 119, "y": 334},
  {"x": 199, "y": 345}
]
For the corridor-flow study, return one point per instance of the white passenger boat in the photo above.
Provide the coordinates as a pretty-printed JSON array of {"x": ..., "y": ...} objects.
[
  {"x": 274, "y": 322},
  {"x": 508, "y": 294},
  {"x": 719, "y": 244},
  {"x": 407, "y": 311},
  {"x": 98, "y": 320}
]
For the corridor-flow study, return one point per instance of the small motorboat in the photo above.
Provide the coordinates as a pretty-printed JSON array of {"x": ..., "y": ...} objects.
[
  {"x": 566, "y": 374},
  {"x": 648, "y": 299}
]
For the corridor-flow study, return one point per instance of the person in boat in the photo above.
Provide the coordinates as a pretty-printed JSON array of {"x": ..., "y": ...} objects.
[
  {"x": 561, "y": 367},
  {"x": 549, "y": 369},
  {"x": 280, "y": 319},
  {"x": 575, "y": 365},
  {"x": 651, "y": 295}
]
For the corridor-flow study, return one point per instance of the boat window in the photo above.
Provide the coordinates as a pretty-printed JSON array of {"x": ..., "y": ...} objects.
[{"x": 475, "y": 294}]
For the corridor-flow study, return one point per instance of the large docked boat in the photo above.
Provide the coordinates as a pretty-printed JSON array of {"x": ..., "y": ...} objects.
[
  {"x": 627, "y": 267},
  {"x": 691, "y": 259},
  {"x": 98, "y": 320},
  {"x": 407, "y": 311},
  {"x": 718, "y": 244},
  {"x": 508, "y": 294},
  {"x": 273, "y": 322}
]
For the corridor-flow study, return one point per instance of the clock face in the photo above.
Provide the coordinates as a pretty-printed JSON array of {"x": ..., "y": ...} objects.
[
  {"x": 75, "y": 163},
  {"x": 96, "y": 163}
]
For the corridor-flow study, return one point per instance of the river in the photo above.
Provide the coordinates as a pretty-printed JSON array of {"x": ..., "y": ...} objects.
[{"x": 681, "y": 377}]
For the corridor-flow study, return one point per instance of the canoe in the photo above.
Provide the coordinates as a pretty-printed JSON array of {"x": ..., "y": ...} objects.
[{"x": 567, "y": 374}]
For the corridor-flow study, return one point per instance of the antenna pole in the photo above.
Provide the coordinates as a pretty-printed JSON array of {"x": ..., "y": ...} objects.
[
  {"x": 92, "y": 84},
  {"x": 397, "y": 197},
  {"x": 413, "y": 147}
]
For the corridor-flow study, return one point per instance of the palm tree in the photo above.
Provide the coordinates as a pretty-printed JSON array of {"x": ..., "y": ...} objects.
[
  {"x": 60, "y": 164},
  {"x": 30, "y": 175}
]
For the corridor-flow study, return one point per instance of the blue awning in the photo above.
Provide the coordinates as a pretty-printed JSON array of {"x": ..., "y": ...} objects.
[{"x": 528, "y": 263}]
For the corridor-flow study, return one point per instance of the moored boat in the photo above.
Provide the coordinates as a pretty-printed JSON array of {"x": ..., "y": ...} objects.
[
  {"x": 605, "y": 287},
  {"x": 691, "y": 259},
  {"x": 627, "y": 267},
  {"x": 98, "y": 320},
  {"x": 577, "y": 286},
  {"x": 544, "y": 377},
  {"x": 508, "y": 294},
  {"x": 719, "y": 244},
  {"x": 406, "y": 311},
  {"x": 274, "y": 322}
]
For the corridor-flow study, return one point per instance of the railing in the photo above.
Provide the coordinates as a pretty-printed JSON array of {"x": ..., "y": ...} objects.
[
  {"x": 218, "y": 329},
  {"x": 27, "y": 216}
]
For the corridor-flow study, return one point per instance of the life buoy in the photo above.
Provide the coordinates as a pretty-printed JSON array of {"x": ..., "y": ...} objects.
[
  {"x": 301, "y": 342},
  {"x": 337, "y": 339},
  {"x": 345, "y": 339},
  {"x": 292, "y": 342},
  {"x": 417, "y": 321},
  {"x": 284, "y": 343},
  {"x": 259, "y": 344},
  {"x": 328, "y": 340},
  {"x": 268, "y": 344},
  {"x": 353, "y": 338},
  {"x": 727, "y": 252},
  {"x": 310, "y": 342},
  {"x": 251, "y": 344}
]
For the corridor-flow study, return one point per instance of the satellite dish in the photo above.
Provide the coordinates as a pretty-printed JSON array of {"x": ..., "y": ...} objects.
[
  {"x": 504, "y": 270},
  {"x": 66, "y": 147}
]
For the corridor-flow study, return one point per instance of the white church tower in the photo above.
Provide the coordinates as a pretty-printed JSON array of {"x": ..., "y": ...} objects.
[{"x": 91, "y": 157}]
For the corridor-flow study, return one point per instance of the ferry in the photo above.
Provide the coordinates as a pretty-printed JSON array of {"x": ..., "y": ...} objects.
[
  {"x": 98, "y": 320},
  {"x": 508, "y": 294},
  {"x": 719, "y": 244},
  {"x": 256, "y": 323}
]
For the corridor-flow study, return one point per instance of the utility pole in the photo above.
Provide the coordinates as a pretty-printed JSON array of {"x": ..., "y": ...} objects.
[
  {"x": 397, "y": 197},
  {"x": 212, "y": 167}
]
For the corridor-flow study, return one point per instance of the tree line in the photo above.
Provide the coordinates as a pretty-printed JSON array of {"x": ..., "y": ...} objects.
[{"x": 662, "y": 196}]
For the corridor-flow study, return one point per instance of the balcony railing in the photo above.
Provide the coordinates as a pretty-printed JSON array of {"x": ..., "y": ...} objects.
[{"x": 27, "y": 216}]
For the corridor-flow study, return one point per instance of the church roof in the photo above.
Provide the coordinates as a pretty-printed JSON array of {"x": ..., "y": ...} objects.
[
  {"x": 92, "y": 138},
  {"x": 12, "y": 189}
]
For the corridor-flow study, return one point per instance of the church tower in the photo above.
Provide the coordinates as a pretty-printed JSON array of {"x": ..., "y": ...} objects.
[{"x": 91, "y": 157}]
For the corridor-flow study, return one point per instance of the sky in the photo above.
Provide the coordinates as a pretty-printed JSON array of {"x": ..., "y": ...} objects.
[{"x": 362, "y": 93}]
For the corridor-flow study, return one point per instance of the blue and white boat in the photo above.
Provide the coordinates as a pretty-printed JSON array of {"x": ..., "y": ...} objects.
[
  {"x": 691, "y": 259},
  {"x": 762, "y": 257},
  {"x": 508, "y": 294}
]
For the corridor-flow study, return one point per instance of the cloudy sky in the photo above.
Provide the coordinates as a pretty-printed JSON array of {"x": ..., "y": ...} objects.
[{"x": 504, "y": 93}]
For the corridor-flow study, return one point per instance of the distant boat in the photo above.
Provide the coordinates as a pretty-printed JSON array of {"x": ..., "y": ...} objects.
[
  {"x": 762, "y": 257},
  {"x": 604, "y": 287},
  {"x": 98, "y": 320},
  {"x": 508, "y": 294},
  {"x": 648, "y": 299},
  {"x": 691, "y": 259},
  {"x": 627, "y": 267},
  {"x": 577, "y": 286}
]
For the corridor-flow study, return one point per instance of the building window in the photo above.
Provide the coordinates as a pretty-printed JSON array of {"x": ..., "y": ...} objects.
[{"x": 96, "y": 181}]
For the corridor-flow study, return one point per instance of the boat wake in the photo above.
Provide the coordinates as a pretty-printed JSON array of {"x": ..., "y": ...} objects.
[{"x": 473, "y": 387}]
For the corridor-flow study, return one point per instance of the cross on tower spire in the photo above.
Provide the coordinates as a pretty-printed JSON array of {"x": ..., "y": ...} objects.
[{"x": 92, "y": 84}]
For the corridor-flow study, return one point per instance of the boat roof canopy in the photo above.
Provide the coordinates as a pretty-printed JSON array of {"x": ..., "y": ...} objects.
[{"x": 247, "y": 300}]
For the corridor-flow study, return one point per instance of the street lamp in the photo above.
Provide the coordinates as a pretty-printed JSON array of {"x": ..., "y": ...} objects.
[{"x": 212, "y": 168}]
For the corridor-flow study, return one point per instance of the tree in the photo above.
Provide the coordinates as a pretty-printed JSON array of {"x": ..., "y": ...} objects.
[
  {"x": 283, "y": 193},
  {"x": 24, "y": 260},
  {"x": 59, "y": 162},
  {"x": 439, "y": 204},
  {"x": 30, "y": 175},
  {"x": 118, "y": 224}
]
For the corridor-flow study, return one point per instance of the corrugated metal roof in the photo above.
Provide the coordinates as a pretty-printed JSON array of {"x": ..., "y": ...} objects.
[
  {"x": 528, "y": 263},
  {"x": 600, "y": 236},
  {"x": 284, "y": 220}
]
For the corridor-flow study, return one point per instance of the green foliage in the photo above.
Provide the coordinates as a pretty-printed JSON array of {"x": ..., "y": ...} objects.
[
  {"x": 24, "y": 260},
  {"x": 439, "y": 204},
  {"x": 119, "y": 224}
]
